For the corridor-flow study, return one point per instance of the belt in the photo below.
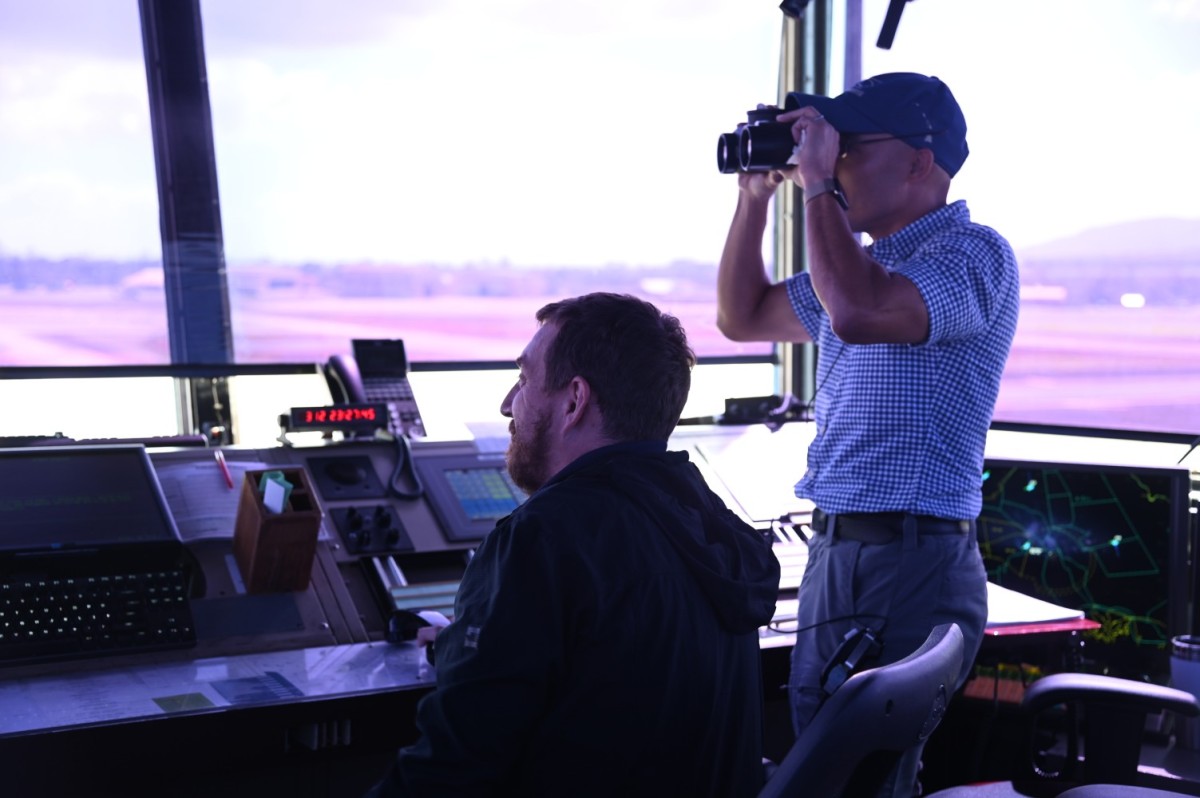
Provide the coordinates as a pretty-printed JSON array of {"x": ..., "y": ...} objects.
[{"x": 885, "y": 527}]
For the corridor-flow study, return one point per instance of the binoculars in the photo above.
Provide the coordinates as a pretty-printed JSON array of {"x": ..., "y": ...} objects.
[{"x": 760, "y": 144}]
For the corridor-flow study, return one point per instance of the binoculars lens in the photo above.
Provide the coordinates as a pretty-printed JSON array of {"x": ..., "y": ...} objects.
[
  {"x": 727, "y": 153},
  {"x": 758, "y": 146}
]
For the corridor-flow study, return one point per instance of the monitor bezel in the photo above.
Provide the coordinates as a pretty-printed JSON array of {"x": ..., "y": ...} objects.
[{"x": 457, "y": 526}]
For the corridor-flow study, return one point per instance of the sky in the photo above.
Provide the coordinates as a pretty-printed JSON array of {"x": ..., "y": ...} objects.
[
  {"x": 1079, "y": 112},
  {"x": 536, "y": 132}
]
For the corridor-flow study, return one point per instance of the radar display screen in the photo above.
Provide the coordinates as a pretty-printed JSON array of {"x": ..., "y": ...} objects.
[{"x": 1108, "y": 540}]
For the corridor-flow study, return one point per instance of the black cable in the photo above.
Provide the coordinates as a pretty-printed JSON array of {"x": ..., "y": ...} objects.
[
  {"x": 1190, "y": 449},
  {"x": 405, "y": 465},
  {"x": 774, "y": 625},
  {"x": 808, "y": 410}
]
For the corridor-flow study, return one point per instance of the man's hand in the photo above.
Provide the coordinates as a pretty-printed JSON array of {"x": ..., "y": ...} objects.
[
  {"x": 761, "y": 185},
  {"x": 817, "y": 146},
  {"x": 427, "y": 634}
]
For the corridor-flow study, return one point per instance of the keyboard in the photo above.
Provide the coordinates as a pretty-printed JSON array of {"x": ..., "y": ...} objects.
[
  {"x": 387, "y": 389},
  {"x": 13, "y": 441},
  {"x": 790, "y": 545},
  {"x": 45, "y": 617},
  {"x": 791, "y": 549},
  {"x": 397, "y": 392}
]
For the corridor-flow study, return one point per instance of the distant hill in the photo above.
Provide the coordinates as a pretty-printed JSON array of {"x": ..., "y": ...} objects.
[{"x": 1146, "y": 239}]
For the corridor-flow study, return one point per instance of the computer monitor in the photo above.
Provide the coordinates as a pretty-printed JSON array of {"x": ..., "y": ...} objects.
[
  {"x": 1109, "y": 540},
  {"x": 64, "y": 498}
]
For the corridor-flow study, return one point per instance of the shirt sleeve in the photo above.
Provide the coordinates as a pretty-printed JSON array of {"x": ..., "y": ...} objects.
[
  {"x": 962, "y": 279},
  {"x": 804, "y": 303},
  {"x": 496, "y": 664}
]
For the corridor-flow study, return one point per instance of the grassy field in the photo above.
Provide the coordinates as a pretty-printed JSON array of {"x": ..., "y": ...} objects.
[{"x": 1074, "y": 365}]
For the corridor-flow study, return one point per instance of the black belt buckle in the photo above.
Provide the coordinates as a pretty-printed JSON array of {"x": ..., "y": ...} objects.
[{"x": 872, "y": 528}]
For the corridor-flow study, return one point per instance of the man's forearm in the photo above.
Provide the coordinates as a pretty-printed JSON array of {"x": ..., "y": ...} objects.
[
  {"x": 839, "y": 266},
  {"x": 741, "y": 277}
]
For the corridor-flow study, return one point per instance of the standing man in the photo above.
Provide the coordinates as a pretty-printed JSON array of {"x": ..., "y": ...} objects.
[
  {"x": 605, "y": 634},
  {"x": 913, "y": 332}
]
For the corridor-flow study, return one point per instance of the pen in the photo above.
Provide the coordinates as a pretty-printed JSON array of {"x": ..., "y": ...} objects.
[{"x": 220, "y": 455}]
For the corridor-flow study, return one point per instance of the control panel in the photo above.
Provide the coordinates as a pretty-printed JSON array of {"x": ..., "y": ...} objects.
[{"x": 400, "y": 519}]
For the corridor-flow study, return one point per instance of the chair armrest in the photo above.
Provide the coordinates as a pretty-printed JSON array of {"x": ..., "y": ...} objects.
[{"x": 1089, "y": 688}]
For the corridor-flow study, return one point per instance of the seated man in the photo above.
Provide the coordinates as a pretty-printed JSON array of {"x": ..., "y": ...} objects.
[{"x": 605, "y": 633}]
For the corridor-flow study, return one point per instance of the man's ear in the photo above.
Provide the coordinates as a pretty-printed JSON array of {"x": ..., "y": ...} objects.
[
  {"x": 922, "y": 164},
  {"x": 578, "y": 402}
]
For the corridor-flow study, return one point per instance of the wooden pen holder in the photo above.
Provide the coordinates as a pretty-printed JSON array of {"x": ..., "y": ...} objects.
[{"x": 274, "y": 551}]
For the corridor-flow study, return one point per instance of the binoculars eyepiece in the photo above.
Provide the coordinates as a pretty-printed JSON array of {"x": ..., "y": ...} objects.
[{"x": 760, "y": 144}]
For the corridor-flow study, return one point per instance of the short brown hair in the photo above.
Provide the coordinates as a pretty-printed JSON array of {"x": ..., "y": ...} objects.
[{"x": 635, "y": 358}]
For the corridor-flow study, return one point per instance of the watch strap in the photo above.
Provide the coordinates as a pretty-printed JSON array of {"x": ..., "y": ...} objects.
[{"x": 829, "y": 185}]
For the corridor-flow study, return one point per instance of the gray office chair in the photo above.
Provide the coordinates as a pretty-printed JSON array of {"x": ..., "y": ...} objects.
[
  {"x": 856, "y": 738},
  {"x": 1117, "y": 791},
  {"x": 1102, "y": 720}
]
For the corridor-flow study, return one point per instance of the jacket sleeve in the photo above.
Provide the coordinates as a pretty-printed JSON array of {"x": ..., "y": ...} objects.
[{"x": 497, "y": 663}]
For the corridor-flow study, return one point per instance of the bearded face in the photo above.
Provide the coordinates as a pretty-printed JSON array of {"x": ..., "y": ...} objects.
[{"x": 528, "y": 457}]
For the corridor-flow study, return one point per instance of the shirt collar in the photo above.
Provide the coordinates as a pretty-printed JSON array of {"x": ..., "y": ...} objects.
[{"x": 905, "y": 242}]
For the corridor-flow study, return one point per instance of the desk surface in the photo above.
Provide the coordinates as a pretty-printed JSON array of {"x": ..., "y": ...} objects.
[
  {"x": 1041, "y": 627},
  {"x": 121, "y": 694}
]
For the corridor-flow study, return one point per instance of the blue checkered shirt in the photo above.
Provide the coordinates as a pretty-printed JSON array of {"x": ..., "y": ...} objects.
[{"x": 902, "y": 426}]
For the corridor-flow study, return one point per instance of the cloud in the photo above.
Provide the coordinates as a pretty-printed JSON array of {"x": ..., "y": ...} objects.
[{"x": 107, "y": 30}]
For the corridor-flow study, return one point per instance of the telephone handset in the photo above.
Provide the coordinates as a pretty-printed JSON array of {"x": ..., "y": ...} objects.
[
  {"x": 345, "y": 382},
  {"x": 377, "y": 372}
]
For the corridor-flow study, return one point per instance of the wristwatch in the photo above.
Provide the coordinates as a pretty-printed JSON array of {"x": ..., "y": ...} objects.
[{"x": 829, "y": 185}]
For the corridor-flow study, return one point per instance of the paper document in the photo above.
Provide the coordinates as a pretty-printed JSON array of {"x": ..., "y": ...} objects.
[
  {"x": 202, "y": 503},
  {"x": 1007, "y": 607}
]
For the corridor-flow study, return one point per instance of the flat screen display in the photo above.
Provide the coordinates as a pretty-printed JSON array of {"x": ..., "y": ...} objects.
[
  {"x": 468, "y": 493},
  {"x": 57, "y": 497},
  {"x": 1111, "y": 541},
  {"x": 484, "y": 494},
  {"x": 380, "y": 357}
]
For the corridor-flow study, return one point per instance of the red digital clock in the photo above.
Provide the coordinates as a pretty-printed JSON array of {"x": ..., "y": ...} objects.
[{"x": 340, "y": 417}]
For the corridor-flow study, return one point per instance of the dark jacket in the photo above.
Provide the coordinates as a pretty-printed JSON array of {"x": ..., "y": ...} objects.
[{"x": 604, "y": 643}]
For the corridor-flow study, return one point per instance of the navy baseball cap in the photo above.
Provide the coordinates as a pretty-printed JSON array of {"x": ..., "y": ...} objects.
[{"x": 916, "y": 108}]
